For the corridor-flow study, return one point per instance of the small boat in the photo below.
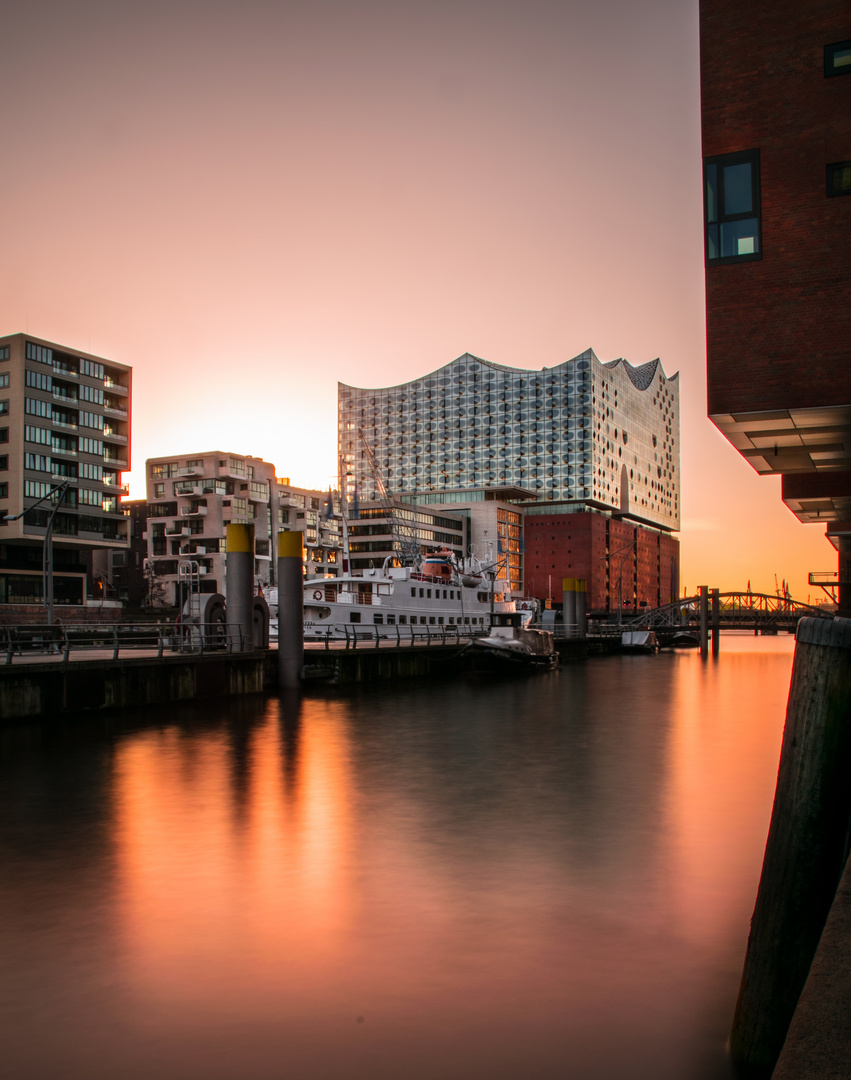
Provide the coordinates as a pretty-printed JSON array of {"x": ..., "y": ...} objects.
[
  {"x": 639, "y": 641},
  {"x": 511, "y": 647}
]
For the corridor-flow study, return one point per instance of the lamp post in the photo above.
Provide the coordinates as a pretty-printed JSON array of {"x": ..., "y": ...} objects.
[
  {"x": 47, "y": 551},
  {"x": 628, "y": 548}
]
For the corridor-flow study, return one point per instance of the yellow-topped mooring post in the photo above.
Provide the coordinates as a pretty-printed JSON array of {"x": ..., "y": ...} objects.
[
  {"x": 568, "y": 611},
  {"x": 290, "y": 610},
  {"x": 239, "y": 580}
]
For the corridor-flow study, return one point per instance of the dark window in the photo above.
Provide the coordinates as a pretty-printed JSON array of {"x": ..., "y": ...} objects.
[
  {"x": 731, "y": 207},
  {"x": 4, "y": 434},
  {"x": 839, "y": 178},
  {"x": 837, "y": 59}
]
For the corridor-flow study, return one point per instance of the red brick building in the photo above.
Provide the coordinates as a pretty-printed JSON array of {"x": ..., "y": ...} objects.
[
  {"x": 776, "y": 112},
  {"x": 623, "y": 563}
]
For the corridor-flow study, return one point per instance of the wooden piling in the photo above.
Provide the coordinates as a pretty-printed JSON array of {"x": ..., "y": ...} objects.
[
  {"x": 716, "y": 622},
  {"x": 704, "y": 619},
  {"x": 807, "y": 842}
]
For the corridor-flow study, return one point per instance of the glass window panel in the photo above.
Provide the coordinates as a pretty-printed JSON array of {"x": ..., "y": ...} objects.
[
  {"x": 711, "y": 193},
  {"x": 738, "y": 189},
  {"x": 712, "y": 242},
  {"x": 739, "y": 238}
]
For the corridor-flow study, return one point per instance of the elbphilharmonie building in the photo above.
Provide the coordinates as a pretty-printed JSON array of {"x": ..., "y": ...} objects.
[{"x": 584, "y": 434}]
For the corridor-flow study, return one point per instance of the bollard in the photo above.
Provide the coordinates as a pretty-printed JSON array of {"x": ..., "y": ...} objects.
[
  {"x": 239, "y": 574},
  {"x": 291, "y": 610},
  {"x": 806, "y": 848},
  {"x": 716, "y": 622},
  {"x": 581, "y": 606},
  {"x": 568, "y": 615},
  {"x": 704, "y": 619}
]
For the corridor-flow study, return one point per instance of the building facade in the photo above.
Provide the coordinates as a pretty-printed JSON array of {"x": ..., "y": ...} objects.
[
  {"x": 191, "y": 501},
  {"x": 373, "y": 533},
  {"x": 64, "y": 422},
  {"x": 604, "y": 435},
  {"x": 498, "y": 443},
  {"x": 627, "y": 567},
  {"x": 775, "y": 98}
]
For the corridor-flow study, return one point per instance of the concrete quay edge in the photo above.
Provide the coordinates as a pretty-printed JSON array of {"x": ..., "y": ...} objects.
[{"x": 818, "y": 1045}]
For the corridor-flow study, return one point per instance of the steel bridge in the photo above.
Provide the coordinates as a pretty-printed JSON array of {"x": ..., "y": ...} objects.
[{"x": 759, "y": 612}]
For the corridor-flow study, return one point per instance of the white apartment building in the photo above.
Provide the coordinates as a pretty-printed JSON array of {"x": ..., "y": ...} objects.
[{"x": 191, "y": 501}]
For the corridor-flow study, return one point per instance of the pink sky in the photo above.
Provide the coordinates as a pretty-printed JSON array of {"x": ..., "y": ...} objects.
[{"x": 248, "y": 203}]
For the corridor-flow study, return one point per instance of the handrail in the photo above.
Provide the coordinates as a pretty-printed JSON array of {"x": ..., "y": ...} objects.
[
  {"x": 115, "y": 639},
  {"x": 393, "y": 635}
]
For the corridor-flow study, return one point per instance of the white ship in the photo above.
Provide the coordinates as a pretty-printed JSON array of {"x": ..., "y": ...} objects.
[{"x": 434, "y": 592}]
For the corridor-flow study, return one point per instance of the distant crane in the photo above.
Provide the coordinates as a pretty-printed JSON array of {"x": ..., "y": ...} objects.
[{"x": 406, "y": 546}]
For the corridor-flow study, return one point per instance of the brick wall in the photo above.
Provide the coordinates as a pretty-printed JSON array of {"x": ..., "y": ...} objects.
[
  {"x": 577, "y": 545},
  {"x": 778, "y": 329}
]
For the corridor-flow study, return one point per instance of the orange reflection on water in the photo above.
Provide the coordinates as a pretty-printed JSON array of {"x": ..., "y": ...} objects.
[
  {"x": 724, "y": 753},
  {"x": 231, "y": 836}
]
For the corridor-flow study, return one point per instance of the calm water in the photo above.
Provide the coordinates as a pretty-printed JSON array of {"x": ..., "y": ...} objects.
[{"x": 542, "y": 879}]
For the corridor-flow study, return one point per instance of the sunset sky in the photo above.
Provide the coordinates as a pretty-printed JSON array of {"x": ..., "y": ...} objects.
[{"x": 249, "y": 202}]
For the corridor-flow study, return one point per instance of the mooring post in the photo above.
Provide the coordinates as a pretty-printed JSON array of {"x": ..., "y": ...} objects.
[
  {"x": 239, "y": 574},
  {"x": 703, "y": 590},
  {"x": 581, "y": 609},
  {"x": 568, "y": 610},
  {"x": 716, "y": 621},
  {"x": 291, "y": 610},
  {"x": 807, "y": 842}
]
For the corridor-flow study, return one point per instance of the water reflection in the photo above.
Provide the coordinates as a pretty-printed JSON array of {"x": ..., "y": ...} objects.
[{"x": 544, "y": 878}]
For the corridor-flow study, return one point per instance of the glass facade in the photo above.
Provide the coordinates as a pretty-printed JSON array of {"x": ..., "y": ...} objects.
[{"x": 604, "y": 434}]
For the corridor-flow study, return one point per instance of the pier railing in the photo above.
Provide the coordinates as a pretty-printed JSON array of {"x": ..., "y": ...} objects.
[
  {"x": 355, "y": 636},
  {"x": 115, "y": 639}
]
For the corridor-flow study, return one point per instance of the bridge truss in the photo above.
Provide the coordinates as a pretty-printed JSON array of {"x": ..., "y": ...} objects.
[{"x": 736, "y": 611}]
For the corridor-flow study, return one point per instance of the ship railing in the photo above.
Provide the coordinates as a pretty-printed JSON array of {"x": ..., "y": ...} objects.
[
  {"x": 357, "y": 636},
  {"x": 106, "y": 641}
]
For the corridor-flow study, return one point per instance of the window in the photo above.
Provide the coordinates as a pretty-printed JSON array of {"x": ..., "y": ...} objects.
[
  {"x": 39, "y": 353},
  {"x": 4, "y": 490},
  {"x": 4, "y": 352},
  {"x": 91, "y": 368},
  {"x": 731, "y": 203},
  {"x": 839, "y": 178},
  {"x": 837, "y": 59},
  {"x": 35, "y": 407},
  {"x": 4, "y": 406},
  {"x": 4, "y": 462},
  {"x": 4, "y": 378},
  {"x": 4, "y": 434}
]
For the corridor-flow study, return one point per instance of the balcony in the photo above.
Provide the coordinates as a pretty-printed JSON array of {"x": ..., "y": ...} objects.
[
  {"x": 65, "y": 372},
  {"x": 120, "y": 463},
  {"x": 62, "y": 451},
  {"x": 199, "y": 511},
  {"x": 72, "y": 426},
  {"x": 114, "y": 436},
  {"x": 181, "y": 530},
  {"x": 65, "y": 395},
  {"x": 115, "y": 387},
  {"x": 113, "y": 410},
  {"x": 191, "y": 470},
  {"x": 186, "y": 550}
]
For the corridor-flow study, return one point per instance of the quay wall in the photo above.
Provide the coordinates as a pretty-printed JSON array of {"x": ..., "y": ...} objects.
[{"x": 50, "y": 689}]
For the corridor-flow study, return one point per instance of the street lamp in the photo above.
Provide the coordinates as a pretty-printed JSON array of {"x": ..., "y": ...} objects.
[
  {"x": 47, "y": 551},
  {"x": 628, "y": 548}
]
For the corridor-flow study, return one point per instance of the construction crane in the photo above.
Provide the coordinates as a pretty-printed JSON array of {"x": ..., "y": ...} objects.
[{"x": 406, "y": 546}]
